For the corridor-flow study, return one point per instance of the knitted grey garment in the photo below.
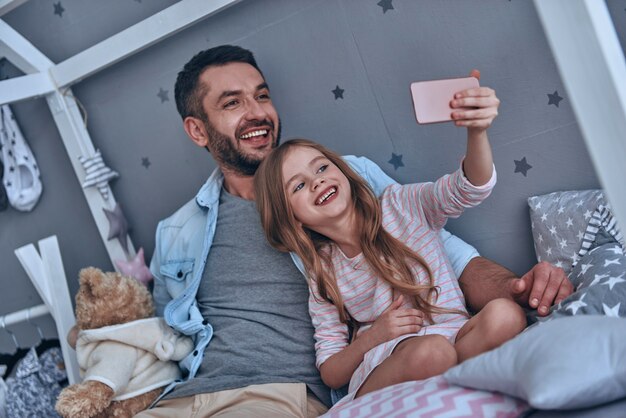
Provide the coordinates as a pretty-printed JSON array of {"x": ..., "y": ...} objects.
[{"x": 37, "y": 383}]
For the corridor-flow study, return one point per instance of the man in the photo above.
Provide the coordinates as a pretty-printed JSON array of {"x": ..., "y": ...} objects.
[{"x": 216, "y": 277}]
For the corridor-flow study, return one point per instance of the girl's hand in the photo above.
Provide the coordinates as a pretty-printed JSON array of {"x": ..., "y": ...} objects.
[
  {"x": 484, "y": 102},
  {"x": 395, "y": 322}
]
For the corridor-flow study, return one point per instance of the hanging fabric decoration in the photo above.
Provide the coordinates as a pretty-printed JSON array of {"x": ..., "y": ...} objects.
[
  {"x": 21, "y": 176},
  {"x": 97, "y": 173},
  {"x": 118, "y": 226},
  {"x": 136, "y": 268}
]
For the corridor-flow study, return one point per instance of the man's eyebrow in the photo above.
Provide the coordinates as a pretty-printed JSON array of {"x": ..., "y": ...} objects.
[
  {"x": 311, "y": 163},
  {"x": 230, "y": 93}
]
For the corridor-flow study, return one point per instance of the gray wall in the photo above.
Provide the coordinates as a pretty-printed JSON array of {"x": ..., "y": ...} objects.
[{"x": 306, "y": 48}]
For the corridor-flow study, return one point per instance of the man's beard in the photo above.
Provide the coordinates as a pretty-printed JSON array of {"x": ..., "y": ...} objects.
[{"x": 225, "y": 151}]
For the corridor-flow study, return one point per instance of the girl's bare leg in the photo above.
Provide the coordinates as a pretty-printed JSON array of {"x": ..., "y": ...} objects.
[
  {"x": 499, "y": 321},
  {"x": 415, "y": 358}
]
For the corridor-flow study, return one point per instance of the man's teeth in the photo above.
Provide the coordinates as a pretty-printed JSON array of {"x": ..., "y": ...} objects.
[
  {"x": 326, "y": 196},
  {"x": 254, "y": 133}
]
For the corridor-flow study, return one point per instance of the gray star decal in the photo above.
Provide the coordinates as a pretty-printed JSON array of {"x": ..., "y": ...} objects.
[
  {"x": 145, "y": 162},
  {"x": 58, "y": 9},
  {"x": 396, "y": 161},
  {"x": 162, "y": 94},
  {"x": 338, "y": 92},
  {"x": 521, "y": 166},
  {"x": 554, "y": 98},
  {"x": 118, "y": 226},
  {"x": 386, "y": 5}
]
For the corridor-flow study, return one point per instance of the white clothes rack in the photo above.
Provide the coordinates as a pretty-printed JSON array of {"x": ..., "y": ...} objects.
[
  {"x": 45, "y": 270},
  {"x": 24, "y": 315}
]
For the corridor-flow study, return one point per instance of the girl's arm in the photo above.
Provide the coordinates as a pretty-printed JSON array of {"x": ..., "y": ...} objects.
[
  {"x": 337, "y": 369},
  {"x": 478, "y": 164}
]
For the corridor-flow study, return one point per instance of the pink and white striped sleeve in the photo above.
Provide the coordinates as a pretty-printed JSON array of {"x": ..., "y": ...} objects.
[
  {"x": 331, "y": 335},
  {"x": 445, "y": 198}
]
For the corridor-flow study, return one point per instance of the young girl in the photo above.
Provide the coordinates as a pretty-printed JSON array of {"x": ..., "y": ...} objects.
[{"x": 380, "y": 264}]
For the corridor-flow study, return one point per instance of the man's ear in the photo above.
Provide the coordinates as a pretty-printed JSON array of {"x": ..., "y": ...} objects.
[{"x": 196, "y": 131}]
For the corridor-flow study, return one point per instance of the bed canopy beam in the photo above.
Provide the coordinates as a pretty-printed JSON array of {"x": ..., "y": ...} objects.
[
  {"x": 136, "y": 38},
  {"x": 7, "y": 5},
  {"x": 587, "y": 50}
]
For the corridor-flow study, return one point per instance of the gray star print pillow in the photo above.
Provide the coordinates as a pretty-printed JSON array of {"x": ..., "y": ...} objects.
[
  {"x": 558, "y": 221},
  {"x": 599, "y": 277}
]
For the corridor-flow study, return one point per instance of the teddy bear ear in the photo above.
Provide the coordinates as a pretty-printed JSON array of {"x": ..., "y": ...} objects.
[{"x": 90, "y": 278}]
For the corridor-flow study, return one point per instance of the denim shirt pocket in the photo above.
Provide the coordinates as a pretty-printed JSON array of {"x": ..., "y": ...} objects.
[{"x": 177, "y": 274}]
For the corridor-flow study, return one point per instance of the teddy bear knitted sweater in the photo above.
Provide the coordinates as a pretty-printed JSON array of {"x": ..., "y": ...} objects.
[{"x": 132, "y": 358}]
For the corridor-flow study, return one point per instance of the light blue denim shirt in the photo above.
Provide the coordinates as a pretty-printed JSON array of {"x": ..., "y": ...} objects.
[{"x": 184, "y": 239}]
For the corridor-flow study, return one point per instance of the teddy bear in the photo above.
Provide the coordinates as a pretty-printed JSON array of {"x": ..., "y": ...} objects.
[{"x": 126, "y": 356}]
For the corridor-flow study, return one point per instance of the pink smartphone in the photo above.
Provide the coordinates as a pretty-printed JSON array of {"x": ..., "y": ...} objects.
[{"x": 431, "y": 99}]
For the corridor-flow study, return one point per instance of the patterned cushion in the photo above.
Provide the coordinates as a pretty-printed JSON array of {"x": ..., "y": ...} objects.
[
  {"x": 558, "y": 222},
  {"x": 599, "y": 277},
  {"x": 433, "y": 397}
]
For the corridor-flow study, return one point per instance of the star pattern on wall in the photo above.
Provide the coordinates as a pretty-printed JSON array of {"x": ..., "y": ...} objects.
[
  {"x": 58, "y": 9},
  {"x": 338, "y": 92},
  {"x": 386, "y": 5},
  {"x": 145, "y": 162},
  {"x": 521, "y": 166},
  {"x": 554, "y": 98},
  {"x": 118, "y": 226},
  {"x": 163, "y": 95},
  {"x": 396, "y": 161}
]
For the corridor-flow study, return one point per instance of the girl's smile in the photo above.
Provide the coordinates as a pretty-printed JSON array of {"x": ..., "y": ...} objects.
[{"x": 318, "y": 192}]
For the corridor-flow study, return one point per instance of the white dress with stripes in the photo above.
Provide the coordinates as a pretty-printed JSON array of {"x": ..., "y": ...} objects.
[{"x": 413, "y": 214}]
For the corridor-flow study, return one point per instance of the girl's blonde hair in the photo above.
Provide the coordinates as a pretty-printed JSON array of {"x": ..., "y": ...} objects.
[{"x": 388, "y": 257}]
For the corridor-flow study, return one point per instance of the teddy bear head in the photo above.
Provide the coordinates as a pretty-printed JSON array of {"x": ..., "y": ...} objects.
[{"x": 107, "y": 298}]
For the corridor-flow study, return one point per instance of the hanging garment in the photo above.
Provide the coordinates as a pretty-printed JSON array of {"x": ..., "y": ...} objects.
[
  {"x": 4, "y": 200},
  {"x": 36, "y": 385},
  {"x": 3, "y": 392},
  {"x": 21, "y": 175}
]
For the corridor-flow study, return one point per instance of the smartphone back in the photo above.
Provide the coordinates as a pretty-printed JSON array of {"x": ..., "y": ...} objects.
[{"x": 431, "y": 99}]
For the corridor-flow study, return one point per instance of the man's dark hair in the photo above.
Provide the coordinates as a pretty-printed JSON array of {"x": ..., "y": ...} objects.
[{"x": 188, "y": 91}]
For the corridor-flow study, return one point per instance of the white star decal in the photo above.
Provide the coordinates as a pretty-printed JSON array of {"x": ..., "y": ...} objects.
[
  {"x": 574, "y": 258},
  {"x": 561, "y": 210},
  {"x": 538, "y": 206},
  {"x": 613, "y": 312},
  {"x": 580, "y": 203},
  {"x": 587, "y": 214},
  {"x": 559, "y": 264},
  {"x": 612, "y": 281},
  {"x": 598, "y": 197},
  {"x": 580, "y": 235},
  {"x": 540, "y": 238},
  {"x": 576, "y": 305},
  {"x": 610, "y": 262},
  {"x": 569, "y": 222},
  {"x": 552, "y": 230},
  {"x": 549, "y": 251},
  {"x": 544, "y": 217},
  {"x": 563, "y": 243},
  {"x": 616, "y": 250}
]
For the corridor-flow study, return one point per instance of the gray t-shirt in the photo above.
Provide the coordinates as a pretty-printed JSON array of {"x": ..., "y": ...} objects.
[{"x": 257, "y": 302}]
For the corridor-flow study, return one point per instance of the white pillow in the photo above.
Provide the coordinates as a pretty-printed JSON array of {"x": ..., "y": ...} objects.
[{"x": 566, "y": 363}]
